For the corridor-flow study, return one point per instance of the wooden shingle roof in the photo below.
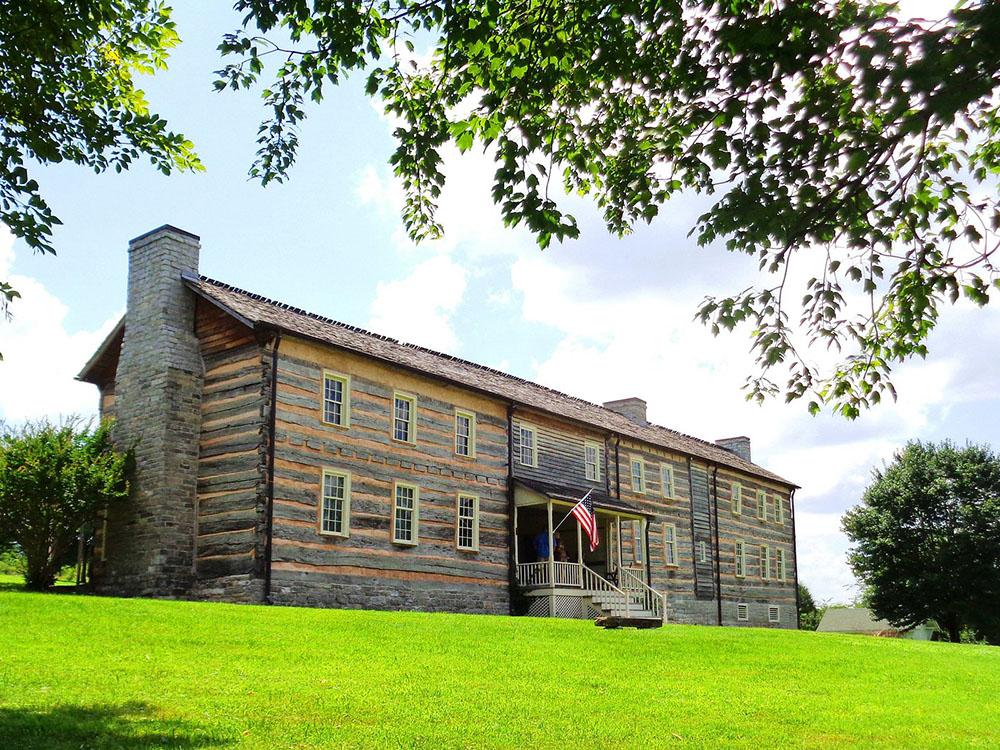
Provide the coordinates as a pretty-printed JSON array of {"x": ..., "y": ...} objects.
[{"x": 260, "y": 312}]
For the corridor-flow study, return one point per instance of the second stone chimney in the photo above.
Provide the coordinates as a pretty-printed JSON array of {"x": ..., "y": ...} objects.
[
  {"x": 738, "y": 445},
  {"x": 634, "y": 408}
]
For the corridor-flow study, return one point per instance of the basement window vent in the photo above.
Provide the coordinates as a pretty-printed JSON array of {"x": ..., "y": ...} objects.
[
  {"x": 774, "y": 613},
  {"x": 742, "y": 612}
]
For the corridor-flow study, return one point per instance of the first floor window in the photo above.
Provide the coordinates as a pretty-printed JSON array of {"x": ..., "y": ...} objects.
[
  {"x": 405, "y": 514},
  {"x": 741, "y": 559},
  {"x": 335, "y": 510},
  {"x": 782, "y": 570},
  {"x": 742, "y": 612},
  {"x": 467, "y": 532},
  {"x": 528, "y": 446},
  {"x": 638, "y": 481},
  {"x": 465, "y": 433},
  {"x": 667, "y": 479},
  {"x": 737, "y": 498},
  {"x": 765, "y": 562},
  {"x": 592, "y": 461},
  {"x": 670, "y": 544},
  {"x": 403, "y": 409},
  {"x": 761, "y": 505},
  {"x": 637, "y": 541},
  {"x": 336, "y": 408}
]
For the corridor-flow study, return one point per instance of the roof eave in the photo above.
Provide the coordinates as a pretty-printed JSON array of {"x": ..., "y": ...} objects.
[{"x": 84, "y": 374}]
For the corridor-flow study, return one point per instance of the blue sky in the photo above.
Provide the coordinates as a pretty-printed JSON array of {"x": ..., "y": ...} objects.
[{"x": 600, "y": 318}]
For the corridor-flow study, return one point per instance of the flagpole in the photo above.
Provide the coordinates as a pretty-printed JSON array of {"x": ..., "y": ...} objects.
[{"x": 570, "y": 512}]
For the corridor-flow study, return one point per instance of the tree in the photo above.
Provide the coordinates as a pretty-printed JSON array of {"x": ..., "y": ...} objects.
[
  {"x": 809, "y": 614},
  {"x": 68, "y": 94},
  {"x": 926, "y": 539},
  {"x": 860, "y": 146},
  {"x": 55, "y": 480}
]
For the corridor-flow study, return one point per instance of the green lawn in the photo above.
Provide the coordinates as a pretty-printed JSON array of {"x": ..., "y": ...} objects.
[{"x": 79, "y": 671}]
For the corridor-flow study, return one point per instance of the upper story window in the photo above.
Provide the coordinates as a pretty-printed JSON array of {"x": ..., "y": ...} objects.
[
  {"x": 741, "y": 559},
  {"x": 465, "y": 433},
  {"x": 528, "y": 443},
  {"x": 736, "y": 494},
  {"x": 404, "y": 410},
  {"x": 667, "y": 480},
  {"x": 336, "y": 399},
  {"x": 335, "y": 505},
  {"x": 761, "y": 505},
  {"x": 467, "y": 527},
  {"x": 779, "y": 509},
  {"x": 405, "y": 514},
  {"x": 670, "y": 544},
  {"x": 638, "y": 478},
  {"x": 702, "y": 552},
  {"x": 592, "y": 461},
  {"x": 782, "y": 566},
  {"x": 765, "y": 562}
]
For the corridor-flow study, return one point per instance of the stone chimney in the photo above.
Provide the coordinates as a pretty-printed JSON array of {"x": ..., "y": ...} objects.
[
  {"x": 158, "y": 386},
  {"x": 738, "y": 445},
  {"x": 634, "y": 408}
]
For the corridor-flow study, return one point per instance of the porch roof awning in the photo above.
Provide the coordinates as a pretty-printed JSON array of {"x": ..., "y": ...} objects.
[{"x": 572, "y": 494}]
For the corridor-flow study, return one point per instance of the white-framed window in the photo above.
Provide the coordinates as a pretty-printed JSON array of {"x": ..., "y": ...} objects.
[
  {"x": 336, "y": 399},
  {"x": 637, "y": 546},
  {"x": 743, "y": 612},
  {"x": 741, "y": 559},
  {"x": 761, "y": 505},
  {"x": 638, "y": 476},
  {"x": 773, "y": 613},
  {"x": 528, "y": 446},
  {"x": 736, "y": 494},
  {"x": 765, "y": 562},
  {"x": 335, "y": 503},
  {"x": 467, "y": 523},
  {"x": 782, "y": 568},
  {"x": 592, "y": 460},
  {"x": 669, "y": 544},
  {"x": 465, "y": 433},
  {"x": 667, "y": 480},
  {"x": 779, "y": 509},
  {"x": 404, "y": 417},
  {"x": 405, "y": 513},
  {"x": 702, "y": 552}
]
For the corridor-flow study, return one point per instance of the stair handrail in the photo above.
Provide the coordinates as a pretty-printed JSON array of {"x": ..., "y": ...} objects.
[
  {"x": 602, "y": 584},
  {"x": 652, "y": 599}
]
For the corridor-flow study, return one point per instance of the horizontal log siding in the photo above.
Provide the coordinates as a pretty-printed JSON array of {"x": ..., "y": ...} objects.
[
  {"x": 560, "y": 452},
  {"x": 231, "y": 465},
  {"x": 366, "y": 569}
]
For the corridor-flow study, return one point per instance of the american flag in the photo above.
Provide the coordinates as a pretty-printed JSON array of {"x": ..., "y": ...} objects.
[{"x": 583, "y": 511}]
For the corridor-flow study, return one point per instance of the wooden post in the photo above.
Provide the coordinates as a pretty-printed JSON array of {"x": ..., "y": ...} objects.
[
  {"x": 618, "y": 534},
  {"x": 552, "y": 566},
  {"x": 579, "y": 551}
]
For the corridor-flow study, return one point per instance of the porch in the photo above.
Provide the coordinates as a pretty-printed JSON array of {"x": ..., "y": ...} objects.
[{"x": 561, "y": 576}]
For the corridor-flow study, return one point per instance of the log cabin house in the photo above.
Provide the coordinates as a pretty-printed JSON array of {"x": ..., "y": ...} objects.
[{"x": 284, "y": 457}]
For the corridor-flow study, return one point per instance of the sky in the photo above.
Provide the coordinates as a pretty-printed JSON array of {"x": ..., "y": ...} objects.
[{"x": 599, "y": 317}]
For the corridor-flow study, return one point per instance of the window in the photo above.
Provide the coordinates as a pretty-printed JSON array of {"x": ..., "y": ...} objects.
[
  {"x": 702, "y": 552},
  {"x": 773, "y": 613},
  {"x": 637, "y": 552},
  {"x": 765, "y": 562},
  {"x": 670, "y": 544},
  {"x": 736, "y": 491},
  {"x": 667, "y": 480},
  {"x": 782, "y": 569},
  {"x": 465, "y": 433},
  {"x": 638, "y": 483},
  {"x": 529, "y": 446},
  {"x": 336, "y": 399},
  {"x": 592, "y": 461},
  {"x": 467, "y": 527},
  {"x": 404, "y": 410},
  {"x": 335, "y": 508},
  {"x": 405, "y": 514},
  {"x": 761, "y": 505},
  {"x": 742, "y": 612},
  {"x": 779, "y": 509},
  {"x": 741, "y": 559}
]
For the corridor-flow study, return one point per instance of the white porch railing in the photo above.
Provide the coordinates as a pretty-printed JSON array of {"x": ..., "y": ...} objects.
[
  {"x": 595, "y": 582},
  {"x": 649, "y": 598},
  {"x": 537, "y": 574}
]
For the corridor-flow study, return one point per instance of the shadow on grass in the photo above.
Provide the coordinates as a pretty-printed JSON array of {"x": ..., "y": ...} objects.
[{"x": 128, "y": 726}]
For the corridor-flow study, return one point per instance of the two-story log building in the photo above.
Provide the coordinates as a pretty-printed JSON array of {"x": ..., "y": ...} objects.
[{"x": 284, "y": 457}]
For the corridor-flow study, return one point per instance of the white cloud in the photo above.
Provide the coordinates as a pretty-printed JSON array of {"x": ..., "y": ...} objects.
[
  {"x": 41, "y": 357},
  {"x": 417, "y": 309}
]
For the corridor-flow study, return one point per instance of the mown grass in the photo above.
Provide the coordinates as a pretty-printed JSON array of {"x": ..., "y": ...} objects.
[{"x": 79, "y": 671}]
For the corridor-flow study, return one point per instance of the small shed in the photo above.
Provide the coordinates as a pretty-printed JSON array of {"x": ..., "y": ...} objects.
[{"x": 861, "y": 621}]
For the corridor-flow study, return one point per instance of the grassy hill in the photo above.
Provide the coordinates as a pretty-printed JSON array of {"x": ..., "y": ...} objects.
[{"x": 80, "y": 671}]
